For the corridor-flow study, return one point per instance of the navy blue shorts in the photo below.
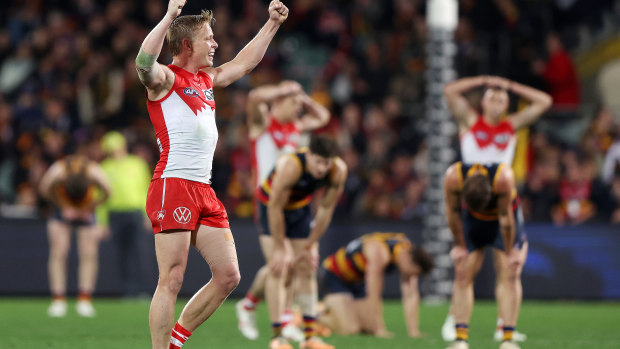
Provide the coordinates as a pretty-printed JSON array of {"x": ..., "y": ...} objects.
[
  {"x": 331, "y": 283},
  {"x": 480, "y": 233},
  {"x": 296, "y": 222}
]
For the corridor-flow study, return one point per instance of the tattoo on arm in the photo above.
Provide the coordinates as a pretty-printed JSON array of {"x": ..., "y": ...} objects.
[{"x": 144, "y": 63}]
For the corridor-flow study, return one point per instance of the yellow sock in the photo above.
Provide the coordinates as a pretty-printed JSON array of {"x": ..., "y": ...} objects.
[
  {"x": 508, "y": 332},
  {"x": 462, "y": 332}
]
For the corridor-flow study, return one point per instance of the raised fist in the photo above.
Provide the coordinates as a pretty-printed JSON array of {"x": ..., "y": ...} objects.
[
  {"x": 277, "y": 11},
  {"x": 174, "y": 8}
]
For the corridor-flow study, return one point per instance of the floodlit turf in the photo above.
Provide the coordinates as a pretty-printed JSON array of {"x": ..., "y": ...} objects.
[{"x": 123, "y": 324}]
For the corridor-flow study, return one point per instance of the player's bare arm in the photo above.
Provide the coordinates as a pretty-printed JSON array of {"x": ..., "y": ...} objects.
[
  {"x": 316, "y": 116},
  {"x": 411, "y": 304},
  {"x": 253, "y": 52},
  {"x": 463, "y": 112},
  {"x": 504, "y": 187},
  {"x": 287, "y": 174},
  {"x": 452, "y": 192},
  {"x": 328, "y": 202},
  {"x": 258, "y": 99},
  {"x": 325, "y": 212},
  {"x": 377, "y": 258},
  {"x": 100, "y": 179},
  {"x": 157, "y": 78},
  {"x": 54, "y": 174},
  {"x": 540, "y": 102}
]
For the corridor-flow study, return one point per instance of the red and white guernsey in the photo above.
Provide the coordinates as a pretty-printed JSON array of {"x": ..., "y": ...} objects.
[
  {"x": 484, "y": 143},
  {"x": 276, "y": 140},
  {"x": 184, "y": 123}
]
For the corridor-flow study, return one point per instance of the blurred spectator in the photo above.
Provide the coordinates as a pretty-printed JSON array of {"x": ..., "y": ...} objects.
[
  {"x": 615, "y": 194},
  {"x": 580, "y": 195},
  {"x": 559, "y": 74},
  {"x": 611, "y": 163}
]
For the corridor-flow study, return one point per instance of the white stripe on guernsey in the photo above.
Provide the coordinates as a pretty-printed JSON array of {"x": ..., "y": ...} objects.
[
  {"x": 180, "y": 335},
  {"x": 163, "y": 195},
  {"x": 163, "y": 199},
  {"x": 176, "y": 342}
]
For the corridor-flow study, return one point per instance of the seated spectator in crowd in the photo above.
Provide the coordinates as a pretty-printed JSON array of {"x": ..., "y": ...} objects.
[{"x": 580, "y": 195}]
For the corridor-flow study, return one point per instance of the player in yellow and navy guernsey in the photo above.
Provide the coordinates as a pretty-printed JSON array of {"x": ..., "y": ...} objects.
[
  {"x": 284, "y": 213},
  {"x": 482, "y": 209},
  {"x": 353, "y": 283},
  {"x": 75, "y": 186}
]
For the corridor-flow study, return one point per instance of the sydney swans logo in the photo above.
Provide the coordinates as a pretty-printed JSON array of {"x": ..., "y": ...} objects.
[{"x": 182, "y": 215}]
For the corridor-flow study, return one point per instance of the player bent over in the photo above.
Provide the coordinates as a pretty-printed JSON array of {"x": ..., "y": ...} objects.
[
  {"x": 181, "y": 204},
  {"x": 490, "y": 136},
  {"x": 482, "y": 210},
  {"x": 75, "y": 186},
  {"x": 284, "y": 213},
  {"x": 277, "y": 115},
  {"x": 353, "y": 283}
]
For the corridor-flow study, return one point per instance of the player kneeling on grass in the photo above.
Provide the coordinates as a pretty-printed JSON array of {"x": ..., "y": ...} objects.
[
  {"x": 353, "y": 282},
  {"x": 482, "y": 210}
]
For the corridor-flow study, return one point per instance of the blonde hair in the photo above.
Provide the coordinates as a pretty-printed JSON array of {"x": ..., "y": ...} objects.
[{"x": 184, "y": 27}]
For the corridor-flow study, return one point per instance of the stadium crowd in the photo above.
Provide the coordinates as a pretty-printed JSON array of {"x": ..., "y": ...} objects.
[{"x": 67, "y": 76}]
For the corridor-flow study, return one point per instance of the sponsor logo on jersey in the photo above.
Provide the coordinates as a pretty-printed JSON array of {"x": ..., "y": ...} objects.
[
  {"x": 208, "y": 94},
  {"x": 481, "y": 135},
  {"x": 191, "y": 92},
  {"x": 182, "y": 215},
  {"x": 501, "y": 138}
]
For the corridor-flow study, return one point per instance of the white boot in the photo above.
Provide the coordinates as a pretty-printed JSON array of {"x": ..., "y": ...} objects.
[
  {"x": 58, "y": 308},
  {"x": 448, "y": 331}
]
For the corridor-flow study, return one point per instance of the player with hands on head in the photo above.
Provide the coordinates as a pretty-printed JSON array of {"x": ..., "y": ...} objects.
[
  {"x": 181, "y": 204},
  {"x": 499, "y": 143}
]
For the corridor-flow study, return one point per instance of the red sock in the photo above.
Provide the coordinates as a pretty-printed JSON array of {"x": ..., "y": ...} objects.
[
  {"x": 84, "y": 296},
  {"x": 251, "y": 301},
  {"x": 178, "y": 336},
  {"x": 286, "y": 317}
]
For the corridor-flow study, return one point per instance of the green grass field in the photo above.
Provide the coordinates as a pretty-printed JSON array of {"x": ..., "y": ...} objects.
[{"x": 123, "y": 324}]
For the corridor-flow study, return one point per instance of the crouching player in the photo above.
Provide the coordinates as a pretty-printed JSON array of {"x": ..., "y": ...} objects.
[
  {"x": 482, "y": 210},
  {"x": 285, "y": 214},
  {"x": 353, "y": 283}
]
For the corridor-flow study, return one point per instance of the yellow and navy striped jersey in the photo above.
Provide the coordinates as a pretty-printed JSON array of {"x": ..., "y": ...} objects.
[
  {"x": 302, "y": 191},
  {"x": 349, "y": 262},
  {"x": 75, "y": 165},
  {"x": 490, "y": 171}
]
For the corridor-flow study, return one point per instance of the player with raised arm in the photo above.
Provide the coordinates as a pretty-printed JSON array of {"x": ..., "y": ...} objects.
[
  {"x": 277, "y": 115},
  {"x": 489, "y": 137},
  {"x": 285, "y": 214},
  {"x": 181, "y": 205},
  {"x": 75, "y": 186},
  {"x": 353, "y": 283},
  {"x": 482, "y": 210}
]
